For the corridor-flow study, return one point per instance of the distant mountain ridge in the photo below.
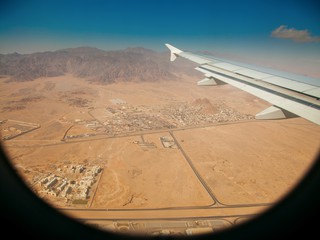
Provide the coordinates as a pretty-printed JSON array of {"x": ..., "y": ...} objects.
[{"x": 96, "y": 65}]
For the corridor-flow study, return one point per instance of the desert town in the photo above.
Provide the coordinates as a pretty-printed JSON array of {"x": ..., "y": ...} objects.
[{"x": 123, "y": 118}]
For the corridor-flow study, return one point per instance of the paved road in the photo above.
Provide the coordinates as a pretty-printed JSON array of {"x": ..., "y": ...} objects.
[{"x": 134, "y": 214}]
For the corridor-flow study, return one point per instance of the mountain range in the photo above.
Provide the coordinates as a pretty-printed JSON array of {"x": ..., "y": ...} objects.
[{"x": 96, "y": 65}]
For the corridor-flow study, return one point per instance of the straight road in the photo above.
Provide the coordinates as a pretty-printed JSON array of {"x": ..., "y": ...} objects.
[{"x": 161, "y": 214}]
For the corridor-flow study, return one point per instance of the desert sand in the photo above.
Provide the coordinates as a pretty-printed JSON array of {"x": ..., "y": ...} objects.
[{"x": 217, "y": 167}]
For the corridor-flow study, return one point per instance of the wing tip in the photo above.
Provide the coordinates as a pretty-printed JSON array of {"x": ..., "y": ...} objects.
[{"x": 174, "y": 52}]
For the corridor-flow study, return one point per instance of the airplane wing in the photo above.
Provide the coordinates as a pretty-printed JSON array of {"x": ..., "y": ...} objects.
[{"x": 289, "y": 94}]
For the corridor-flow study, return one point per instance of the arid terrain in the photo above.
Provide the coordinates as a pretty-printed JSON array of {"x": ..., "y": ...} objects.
[{"x": 157, "y": 156}]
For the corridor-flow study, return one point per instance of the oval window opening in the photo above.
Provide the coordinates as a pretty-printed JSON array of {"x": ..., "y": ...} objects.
[{"x": 109, "y": 131}]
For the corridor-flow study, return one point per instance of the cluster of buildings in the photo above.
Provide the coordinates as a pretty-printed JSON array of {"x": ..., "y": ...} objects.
[
  {"x": 168, "y": 228},
  {"x": 80, "y": 135},
  {"x": 168, "y": 142},
  {"x": 54, "y": 185},
  {"x": 184, "y": 114},
  {"x": 72, "y": 183},
  {"x": 124, "y": 118},
  {"x": 130, "y": 119}
]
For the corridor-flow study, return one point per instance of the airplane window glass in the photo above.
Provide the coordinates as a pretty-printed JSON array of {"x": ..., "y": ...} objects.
[{"x": 102, "y": 126}]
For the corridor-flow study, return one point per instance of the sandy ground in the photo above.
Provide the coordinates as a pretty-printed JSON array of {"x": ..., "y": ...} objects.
[
  {"x": 152, "y": 178},
  {"x": 251, "y": 162}
]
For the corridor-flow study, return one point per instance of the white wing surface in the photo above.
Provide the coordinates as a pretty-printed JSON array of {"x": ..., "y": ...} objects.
[{"x": 288, "y": 93}]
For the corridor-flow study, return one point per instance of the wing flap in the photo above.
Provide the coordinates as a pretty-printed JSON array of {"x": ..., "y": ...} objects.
[
  {"x": 294, "y": 85},
  {"x": 314, "y": 92},
  {"x": 252, "y": 73}
]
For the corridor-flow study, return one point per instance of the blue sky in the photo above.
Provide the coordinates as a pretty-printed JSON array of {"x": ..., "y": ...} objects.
[{"x": 232, "y": 27}]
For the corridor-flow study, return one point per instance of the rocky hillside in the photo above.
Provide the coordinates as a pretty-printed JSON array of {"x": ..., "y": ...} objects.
[{"x": 132, "y": 64}]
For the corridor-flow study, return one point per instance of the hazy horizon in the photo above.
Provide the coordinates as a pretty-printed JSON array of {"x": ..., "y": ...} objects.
[
  {"x": 288, "y": 64},
  {"x": 284, "y": 33}
]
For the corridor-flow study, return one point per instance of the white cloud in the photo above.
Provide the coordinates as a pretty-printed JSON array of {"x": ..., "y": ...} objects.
[{"x": 294, "y": 34}]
